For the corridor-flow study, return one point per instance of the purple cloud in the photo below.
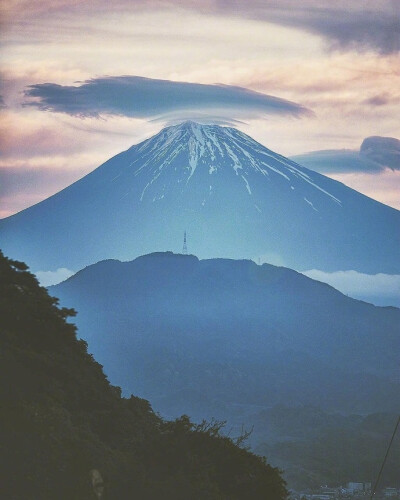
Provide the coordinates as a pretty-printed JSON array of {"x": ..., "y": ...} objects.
[
  {"x": 378, "y": 100},
  {"x": 344, "y": 24}
]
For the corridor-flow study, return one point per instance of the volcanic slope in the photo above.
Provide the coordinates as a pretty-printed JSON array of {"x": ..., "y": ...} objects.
[{"x": 235, "y": 198}]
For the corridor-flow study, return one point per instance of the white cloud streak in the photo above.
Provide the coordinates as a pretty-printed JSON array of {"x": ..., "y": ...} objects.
[
  {"x": 380, "y": 289},
  {"x": 48, "y": 278}
]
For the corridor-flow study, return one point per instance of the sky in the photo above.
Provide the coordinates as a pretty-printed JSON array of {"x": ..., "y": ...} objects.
[{"x": 83, "y": 80}]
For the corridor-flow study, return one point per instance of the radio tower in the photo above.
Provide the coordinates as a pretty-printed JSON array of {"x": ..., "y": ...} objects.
[{"x": 184, "y": 249}]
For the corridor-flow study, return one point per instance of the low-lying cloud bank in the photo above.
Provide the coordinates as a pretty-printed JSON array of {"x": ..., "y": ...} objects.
[
  {"x": 147, "y": 98},
  {"x": 48, "y": 278},
  {"x": 375, "y": 155},
  {"x": 379, "y": 289}
]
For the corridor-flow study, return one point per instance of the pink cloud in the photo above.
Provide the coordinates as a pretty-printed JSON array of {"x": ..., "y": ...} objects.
[
  {"x": 383, "y": 187},
  {"x": 345, "y": 25}
]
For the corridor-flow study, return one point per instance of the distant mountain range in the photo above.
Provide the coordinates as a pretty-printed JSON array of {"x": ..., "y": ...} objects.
[
  {"x": 225, "y": 338},
  {"x": 235, "y": 198}
]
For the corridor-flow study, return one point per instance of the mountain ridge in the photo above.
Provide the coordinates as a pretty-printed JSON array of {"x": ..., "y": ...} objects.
[
  {"x": 168, "y": 323},
  {"x": 193, "y": 257}
]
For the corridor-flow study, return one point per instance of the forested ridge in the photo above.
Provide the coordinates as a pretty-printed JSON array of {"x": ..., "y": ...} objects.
[{"x": 61, "y": 420}]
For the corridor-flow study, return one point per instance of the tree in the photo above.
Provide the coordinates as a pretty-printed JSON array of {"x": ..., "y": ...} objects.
[{"x": 66, "y": 432}]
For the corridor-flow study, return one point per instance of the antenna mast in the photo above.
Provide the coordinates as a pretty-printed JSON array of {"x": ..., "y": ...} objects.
[{"x": 184, "y": 249}]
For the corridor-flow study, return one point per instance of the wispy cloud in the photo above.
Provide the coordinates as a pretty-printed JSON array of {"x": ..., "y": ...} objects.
[
  {"x": 344, "y": 24},
  {"x": 139, "y": 97},
  {"x": 378, "y": 100}
]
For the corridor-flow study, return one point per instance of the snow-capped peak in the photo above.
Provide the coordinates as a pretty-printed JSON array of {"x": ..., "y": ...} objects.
[
  {"x": 190, "y": 147},
  {"x": 235, "y": 197}
]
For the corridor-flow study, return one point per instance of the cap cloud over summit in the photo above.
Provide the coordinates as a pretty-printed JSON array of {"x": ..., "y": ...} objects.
[{"x": 138, "y": 97}]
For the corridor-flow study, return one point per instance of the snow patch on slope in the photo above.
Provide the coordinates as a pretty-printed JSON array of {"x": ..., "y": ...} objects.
[
  {"x": 208, "y": 147},
  {"x": 310, "y": 203},
  {"x": 247, "y": 184}
]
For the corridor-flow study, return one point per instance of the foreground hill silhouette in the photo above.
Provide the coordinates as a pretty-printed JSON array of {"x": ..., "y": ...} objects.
[
  {"x": 61, "y": 420},
  {"x": 212, "y": 337}
]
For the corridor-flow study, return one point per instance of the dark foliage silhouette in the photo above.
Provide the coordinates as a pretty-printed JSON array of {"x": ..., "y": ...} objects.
[{"x": 65, "y": 432}]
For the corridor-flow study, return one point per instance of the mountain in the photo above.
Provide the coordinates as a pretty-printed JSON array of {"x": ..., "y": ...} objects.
[
  {"x": 66, "y": 433},
  {"x": 235, "y": 198},
  {"x": 221, "y": 338}
]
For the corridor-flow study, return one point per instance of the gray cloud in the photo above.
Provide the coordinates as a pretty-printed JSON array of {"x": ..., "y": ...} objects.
[
  {"x": 361, "y": 29},
  {"x": 375, "y": 155},
  {"x": 139, "y": 97},
  {"x": 382, "y": 150},
  {"x": 378, "y": 100},
  {"x": 344, "y": 24},
  {"x": 337, "y": 161}
]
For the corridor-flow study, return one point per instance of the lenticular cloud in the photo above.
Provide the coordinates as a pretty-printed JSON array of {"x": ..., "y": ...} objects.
[{"x": 139, "y": 97}]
